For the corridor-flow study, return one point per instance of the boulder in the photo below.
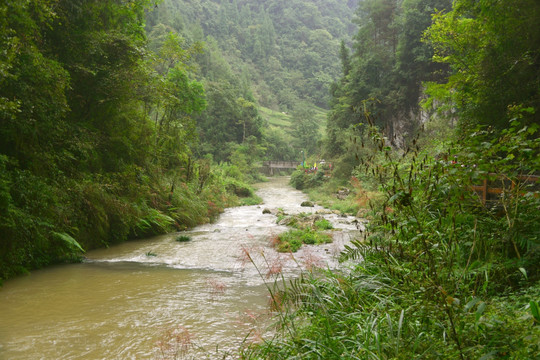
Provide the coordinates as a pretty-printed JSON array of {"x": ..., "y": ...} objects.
[
  {"x": 287, "y": 220},
  {"x": 343, "y": 193},
  {"x": 324, "y": 212}
]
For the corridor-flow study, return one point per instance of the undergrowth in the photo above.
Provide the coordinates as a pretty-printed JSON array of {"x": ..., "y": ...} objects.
[{"x": 47, "y": 221}]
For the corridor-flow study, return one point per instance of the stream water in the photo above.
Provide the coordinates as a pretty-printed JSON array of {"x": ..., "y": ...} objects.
[{"x": 124, "y": 301}]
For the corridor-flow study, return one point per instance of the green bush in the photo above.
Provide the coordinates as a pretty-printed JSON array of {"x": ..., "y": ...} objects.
[
  {"x": 441, "y": 274},
  {"x": 238, "y": 188},
  {"x": 323, "y": 224},
  {"x": 298, "y": 179},
  {"x": 301, "y": 180},
  {"x": 368, "y": 313}
]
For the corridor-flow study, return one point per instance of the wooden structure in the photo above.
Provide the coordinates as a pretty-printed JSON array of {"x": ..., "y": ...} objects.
[
  {"x": 268, "y": 167},
  {"x": 492, "y": 187}
]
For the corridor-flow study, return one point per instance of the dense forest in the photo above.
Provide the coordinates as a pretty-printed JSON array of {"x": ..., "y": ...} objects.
[
  {"x": 278, "y": 55},
  {"x": 125, "y": 119},
  {"x": 286, "y": 50}
]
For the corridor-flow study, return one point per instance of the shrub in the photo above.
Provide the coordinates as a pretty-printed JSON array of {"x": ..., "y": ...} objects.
[
  {"x": 323, "y": 224},
  {"x": 298, "y": 179},
  {"x": 301, "y": 180},
  {"x": 441, "y": 273}
]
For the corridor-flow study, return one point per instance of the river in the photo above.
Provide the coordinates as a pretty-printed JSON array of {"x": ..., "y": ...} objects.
[{"x": 128, "y": 301}]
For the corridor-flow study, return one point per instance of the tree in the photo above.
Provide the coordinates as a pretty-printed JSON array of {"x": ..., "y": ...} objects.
[
  {"x": 305, "y": 130},
  {"x": 345, "y": 57},
  {"x": 492, "y": 49},
  {"x": 385, "y": 73},
  {"x": 33, "y": 86}
]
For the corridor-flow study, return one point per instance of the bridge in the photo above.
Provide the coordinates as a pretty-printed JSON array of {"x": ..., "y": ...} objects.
[{"x": 268, "y": 167}]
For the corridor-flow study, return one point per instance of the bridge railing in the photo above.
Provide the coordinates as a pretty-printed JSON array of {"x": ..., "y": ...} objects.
[
  {"x": 282, "y": 164},
  {"x": 268, "y": 167}
]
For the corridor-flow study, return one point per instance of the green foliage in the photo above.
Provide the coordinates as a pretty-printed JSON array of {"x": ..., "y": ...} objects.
[
  {"x": 385, "y": 71},
  {"x": 301, "y": 179},
  {"x": 154, "y": 223},
  {"x": 289, "y": 134},
  {"x": 238, "y": 188},
  {"x": 439, "y": 259},
  {"x": 277, "y": 144},
  {"x": 286, "y": 48},
  {"x": 323, "y": 224},
  {"x": 439, "y": 275},
  {"x": 305, "y": 130},
  {"x": 490, "y": 46},
  {"x": 292, "y": 240},
  {"x": 68, "y": 240},
  {"x": 246, "y": 61},
  {"x": 442, "y": 272},
  {"x": 298, "y": 179},
  {"x": 369, "y": 314},
  {"x": 230, "y": 125}
]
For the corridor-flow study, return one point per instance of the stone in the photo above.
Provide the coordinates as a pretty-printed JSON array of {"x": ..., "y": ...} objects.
[
  {"x": 343, "y": 193},
  {"x": 324, "y": 212},
  {"x": 286, "y": 220}
]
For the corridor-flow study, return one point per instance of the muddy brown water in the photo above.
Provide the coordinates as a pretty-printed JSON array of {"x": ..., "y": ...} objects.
[{"x": 122, "y": 301}]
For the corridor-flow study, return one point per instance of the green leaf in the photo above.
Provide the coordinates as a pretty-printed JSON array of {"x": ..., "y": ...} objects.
[
  {"x": 535, "y": 311},
  {"x": 490, "y": 355},
  {"x": 480, "y": 310},
  {"x": 524, "y": 272},
  {"x": 68, "y": 240},
  {"x": 471, "y": 304}
]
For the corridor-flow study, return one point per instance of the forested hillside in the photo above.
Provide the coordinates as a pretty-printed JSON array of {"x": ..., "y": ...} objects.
[
  {"x": 286, "y": 50},
  {"x": 258, "y": 55},
  {"x": 97, "y": 132}
]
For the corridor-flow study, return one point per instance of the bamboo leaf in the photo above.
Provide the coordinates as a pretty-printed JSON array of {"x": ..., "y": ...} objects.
[
  {"x": 68, "y": 240},
  {"x": 471, "y": 304},
  {"x": 480, "y": 310}
]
